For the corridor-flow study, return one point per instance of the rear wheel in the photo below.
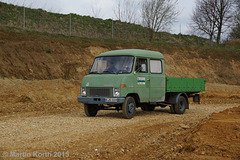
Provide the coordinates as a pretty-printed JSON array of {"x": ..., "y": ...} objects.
[
  {"x": 181, "y": 105},
  {"x": 129, "y": 108},
  {"x": 91, "y": 110}
]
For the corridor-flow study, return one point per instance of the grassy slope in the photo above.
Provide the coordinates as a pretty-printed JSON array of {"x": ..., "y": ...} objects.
[
  {"x": 82, "y": 26},
  {"x": 85, "y": 26}
]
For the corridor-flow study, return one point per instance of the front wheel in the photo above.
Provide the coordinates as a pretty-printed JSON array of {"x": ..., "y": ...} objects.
[
  {"x": 129, "y": 108},
  {"x": 90, "y": 110},
  {"x": 181, "y": 105}
]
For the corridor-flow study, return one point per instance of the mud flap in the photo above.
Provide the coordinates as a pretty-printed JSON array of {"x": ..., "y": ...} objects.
[{"x": 196, "y": 98}]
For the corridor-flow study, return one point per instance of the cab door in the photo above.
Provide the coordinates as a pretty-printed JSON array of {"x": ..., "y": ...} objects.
[
  {"x": 157, "y": 80},
  {"x": 141, "y": 76}
]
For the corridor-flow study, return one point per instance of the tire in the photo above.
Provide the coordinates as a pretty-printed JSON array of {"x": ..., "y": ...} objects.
[
  {"x": 146, "y": 107},
  {"x": 181, "y": 105},
  {"x": 90, "y": 110},
  {"x": 129, "y": 108}
]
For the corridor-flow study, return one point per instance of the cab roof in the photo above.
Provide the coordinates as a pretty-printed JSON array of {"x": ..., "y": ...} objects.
[{"x": 133, "y": 52}]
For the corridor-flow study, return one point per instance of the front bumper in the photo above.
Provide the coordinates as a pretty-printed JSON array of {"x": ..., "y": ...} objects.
[{"x": 101, "y": 100}]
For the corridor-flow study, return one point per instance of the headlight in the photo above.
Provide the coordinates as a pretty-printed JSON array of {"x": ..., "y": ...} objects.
[
  {"x": 116, "y": 92},
  {"x": 83, "y": 91}
]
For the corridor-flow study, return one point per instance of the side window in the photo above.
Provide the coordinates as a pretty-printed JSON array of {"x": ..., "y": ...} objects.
[
  {"x": 141, "y": 65},
  {"x": 156, "y": 66}
]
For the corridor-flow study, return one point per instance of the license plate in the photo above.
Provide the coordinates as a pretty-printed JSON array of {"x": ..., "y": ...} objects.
[{"x": 110, "y": 100}]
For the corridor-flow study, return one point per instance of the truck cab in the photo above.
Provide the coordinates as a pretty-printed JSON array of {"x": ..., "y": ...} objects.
[{"x": 126, "y": 79}]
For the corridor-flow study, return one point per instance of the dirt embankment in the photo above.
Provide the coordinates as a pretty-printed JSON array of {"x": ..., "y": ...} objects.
[
  {"x": 218, "y": 137},
  {"x": 26, "y": 56}
]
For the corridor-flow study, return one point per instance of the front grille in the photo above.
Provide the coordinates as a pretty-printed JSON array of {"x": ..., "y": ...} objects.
[{"x": 99, "y": 92}]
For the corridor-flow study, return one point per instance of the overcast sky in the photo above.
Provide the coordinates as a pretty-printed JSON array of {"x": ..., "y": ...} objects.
[{"x": 84, "y": 7}]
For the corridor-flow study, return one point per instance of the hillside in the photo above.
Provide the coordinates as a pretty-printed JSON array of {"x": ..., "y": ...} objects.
[
  {"x": 44, "y": 49},
  {"x": 33, "y": 55},
  {"x": 82, "y": 26}
]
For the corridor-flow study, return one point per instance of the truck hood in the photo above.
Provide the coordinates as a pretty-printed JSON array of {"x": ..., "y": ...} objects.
[{"x": 102, "y": 80}]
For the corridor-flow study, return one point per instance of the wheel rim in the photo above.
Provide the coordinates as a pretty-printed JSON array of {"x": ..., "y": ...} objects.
[
  {"x": 181, "y": 105},
  {"x": 131, "y": 108}
]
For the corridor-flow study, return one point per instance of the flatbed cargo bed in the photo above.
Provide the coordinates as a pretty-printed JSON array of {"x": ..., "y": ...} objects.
[{"x": 191, "y": 85}]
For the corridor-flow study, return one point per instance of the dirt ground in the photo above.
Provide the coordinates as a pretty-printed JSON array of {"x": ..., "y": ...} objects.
[{"x": 42, "y": 119}]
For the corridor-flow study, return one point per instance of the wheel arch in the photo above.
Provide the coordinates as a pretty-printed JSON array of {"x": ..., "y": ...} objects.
[
  {"x": 173, "y": 98},
  {"x": 135, "y": 96}
]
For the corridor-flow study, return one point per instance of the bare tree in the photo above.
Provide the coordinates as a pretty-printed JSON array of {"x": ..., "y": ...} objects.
[
  {"x": 126, "y": 11},
  {"x": 212, "y": 16},
  {"x": 96, "y": 9},
  {"x": 203, "y": 19},
  {"x": 235, "y": 32},
  {"x": 158, "y": 15},
  {"x": 117, "y": 10},
  {"x": 224, "y": 15}
]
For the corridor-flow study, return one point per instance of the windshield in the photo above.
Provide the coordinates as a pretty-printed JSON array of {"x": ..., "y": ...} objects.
[{"x": 113, "y": 64}]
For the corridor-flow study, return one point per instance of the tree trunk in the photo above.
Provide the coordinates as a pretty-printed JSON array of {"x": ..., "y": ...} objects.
[
  {"x": 219, "y": 34},
  {"x": 151, "y": 34}
]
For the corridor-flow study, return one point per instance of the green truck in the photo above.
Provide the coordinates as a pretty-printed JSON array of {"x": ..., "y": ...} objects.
[{"x": 131, "y": 78}]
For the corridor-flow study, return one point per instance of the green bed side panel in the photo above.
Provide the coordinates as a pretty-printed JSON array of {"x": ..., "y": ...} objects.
[{"x": 185, "y": 84}]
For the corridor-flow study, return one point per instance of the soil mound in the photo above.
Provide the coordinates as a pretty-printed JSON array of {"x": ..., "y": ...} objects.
[{"x": 218, "y": 137}]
